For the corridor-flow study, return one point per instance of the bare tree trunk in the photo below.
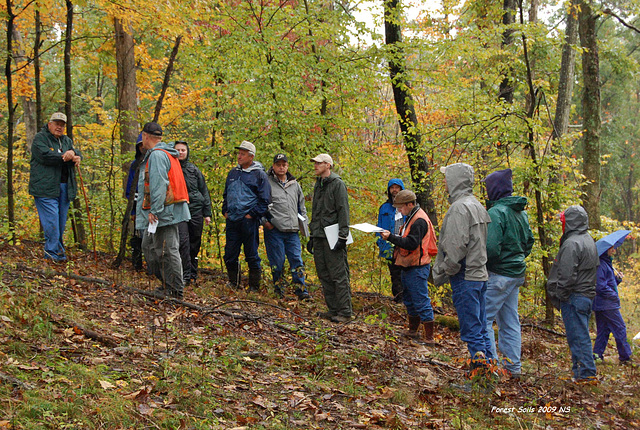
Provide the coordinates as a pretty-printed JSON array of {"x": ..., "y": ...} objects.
[
  {"x": 591, "y": 113},
  {"x": 421, "y": 169},
  {"x": 508, "y": 18},
  {"x": 36, "y": 68},
  {"x": 76, "y": 220},
  {"x": 28, "y": 105},
  {"x": 567, "y": 74},
  {"x": 10, "y": 120},
  {"x": 167, "y": 77}
]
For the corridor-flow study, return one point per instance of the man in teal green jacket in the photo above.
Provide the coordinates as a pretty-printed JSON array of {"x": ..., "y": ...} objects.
[
  {"x": 509, "y": 241},
  {"x": 52, "y": 182}
]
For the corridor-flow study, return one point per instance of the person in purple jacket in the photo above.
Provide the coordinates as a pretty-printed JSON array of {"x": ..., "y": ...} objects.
[{"x": 606, "y": 306}]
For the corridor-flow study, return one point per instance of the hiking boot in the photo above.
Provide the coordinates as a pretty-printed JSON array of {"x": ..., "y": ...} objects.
[
  {"x": 414, "y": 324},
  {"x": 326, "y": 315},
  {"x": 428, "y": 332},
  {"x": 255, "y": 276},
  {"x": 302, "y": 294},
  {"x": 341, "y": 319},
  {"x": 234, "y": 277}
]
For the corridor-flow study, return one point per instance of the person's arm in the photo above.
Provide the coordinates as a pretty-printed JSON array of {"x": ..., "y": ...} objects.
[
  {"x": 454, "y": 245},
  {"x": 302, "y": 209},
  {"x": 342, "y": 207},
  {"x": 45, "y": 154},
  {"x": 264, "y": 196},
  {"x": 530, "y": 238},
  {"x": 206, "y": 198},
  {"x": 606, "y": 282},
  {"x": 414, "y": 239},
  {"x": 567, "y": 272}
]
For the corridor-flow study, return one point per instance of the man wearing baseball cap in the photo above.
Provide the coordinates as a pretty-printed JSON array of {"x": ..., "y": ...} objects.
[
  {"x": 282, "y": 225},
  {"x": 331, "y": 206},
  {"x": 52, "y": 182},
  {"x": 164, "y": 203},
  {"x": 414, "y": 247},
  {"x": 246, "y": 198}
]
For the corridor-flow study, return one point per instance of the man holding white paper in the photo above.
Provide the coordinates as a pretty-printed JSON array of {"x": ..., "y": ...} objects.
[
  {"x": 281, "y": 226},
  {"x": 331, "y": 208},
  {"x": 164, "y": 205}
]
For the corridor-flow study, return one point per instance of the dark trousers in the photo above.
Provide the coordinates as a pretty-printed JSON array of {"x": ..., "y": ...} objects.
[
  {"x": 242, "y": 233},
  {"x": 396, "y": 282},
  {"x": 190, "y": 241},
  {"x": 608, "y": 322},
  {"x": 333, "y": 271}
]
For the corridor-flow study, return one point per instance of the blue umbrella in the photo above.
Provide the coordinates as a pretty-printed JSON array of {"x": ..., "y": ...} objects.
[{"x": 614, "y": 240}]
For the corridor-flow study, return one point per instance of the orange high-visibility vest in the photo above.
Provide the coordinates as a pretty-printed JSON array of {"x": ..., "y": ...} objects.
[
  {"x": 422, "y": 254},
  {"x": 176, "y": 191}
]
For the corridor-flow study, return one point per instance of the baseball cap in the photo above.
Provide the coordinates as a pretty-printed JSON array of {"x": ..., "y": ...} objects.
[
  {"x": 280, "y": 157},
  {"x": 58, "y": 116},
  {"x": 323, "y": 158},
  {"x": 247, "y": 146},
  {"x": 404, "y": 196},
  {"x": 152, "y": 128}
]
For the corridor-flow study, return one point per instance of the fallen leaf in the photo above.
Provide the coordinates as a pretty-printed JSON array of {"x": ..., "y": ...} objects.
[{"x": 106, "y": 385}]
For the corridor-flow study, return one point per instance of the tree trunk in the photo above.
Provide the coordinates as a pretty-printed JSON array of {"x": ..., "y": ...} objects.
[
  {"x": 567, "y": 74},
  {"x": 421, "y": 169},
  {"x": 28, "y": 105},
  {"x": 167, "y": 78},
  {"x": 10, "y": 120},
  {"x": 127, "y": 92},
  {"x": 36, "y": 68},
  {"x": 508, "y": 18},
  {"x": 591, "y": 113},
  {"x": 76, "y": 220}
]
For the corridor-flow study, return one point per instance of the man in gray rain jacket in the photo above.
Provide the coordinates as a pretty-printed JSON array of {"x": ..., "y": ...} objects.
[
  {"x": 462, "y": 259},
  {"x": 165, "y": 202},
  {"x": 572, "y": 287}
]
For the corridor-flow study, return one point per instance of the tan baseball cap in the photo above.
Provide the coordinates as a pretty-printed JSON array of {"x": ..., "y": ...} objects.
[
  {"x": 323, "y": 158},
  {"x": 247, "y": 146},
  {"x": 58, "y": 116}
]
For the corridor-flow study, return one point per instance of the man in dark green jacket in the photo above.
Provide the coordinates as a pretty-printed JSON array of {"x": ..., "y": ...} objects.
[
  {"x": 52, "y": 182},
  {"x": 331, "y": 207},
  {"x": 509, "y": 241}
]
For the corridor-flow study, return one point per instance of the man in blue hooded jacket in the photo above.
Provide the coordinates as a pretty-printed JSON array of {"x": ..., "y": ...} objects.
[
  {"x": 246, "y": 198},
  {"x": 391, "y": 219},
  {"x": 509, "y": 241}
]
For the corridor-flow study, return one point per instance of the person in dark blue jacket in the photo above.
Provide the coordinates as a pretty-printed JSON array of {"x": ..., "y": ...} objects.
[
  {"x": 246, "y": 198},
  {"x": 606, "y": 306},
  {"x": 391, "y": 219},
  {"x": 136, "y": 238}
]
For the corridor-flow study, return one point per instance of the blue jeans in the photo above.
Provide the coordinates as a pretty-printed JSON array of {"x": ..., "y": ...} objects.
[
  {"x": 242, "y": 233},
  {"x": 468, "y": 299},
  {"x": 502, "y": 307},
  {"x": 575, "y": 314},
  {"x": 416, "y": 292},
  {"x": 53, "y": 217},
  {"x": 280, "y": 244}
]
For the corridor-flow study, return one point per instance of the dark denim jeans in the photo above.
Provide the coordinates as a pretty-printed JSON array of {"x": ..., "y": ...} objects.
[
  {"x": 416, "y": 292},
  {"x": 575, "y": 314},
  {"x": 242, "y": 233},
  {"x": 280, "y": 244},
  {"x": 468, "y": 299},
  {"x": 53, "y": 217}
]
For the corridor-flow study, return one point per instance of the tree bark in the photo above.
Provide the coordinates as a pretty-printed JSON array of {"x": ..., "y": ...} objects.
[
  {"x": 36, "y": 67},
  {"x": 591, "y": 113},
  {"x": 167, "y": 78},
  {"x": 567, "y": 74},
  {"x": 421, "y": 169},
  {"x": 10, "y": 120},
  {"x": 508, "y": 18},
  {"x": 28, "y": 105},
  {"x": 76, "y": 220}
]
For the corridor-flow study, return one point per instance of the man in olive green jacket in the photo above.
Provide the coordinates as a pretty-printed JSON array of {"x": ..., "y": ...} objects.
[
  {"x": 52, "y": 182},
  {"x": 331, "y": 206}
]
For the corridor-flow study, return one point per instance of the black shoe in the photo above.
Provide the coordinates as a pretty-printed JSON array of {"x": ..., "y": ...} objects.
[
  {"x": 343, "y": 319},
  {"x": 279, "y": 292},
  {"x": 326, "y": 315},
  {"x": 302, "y": 294}
]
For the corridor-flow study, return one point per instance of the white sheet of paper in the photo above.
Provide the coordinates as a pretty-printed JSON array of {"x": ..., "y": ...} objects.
[
  {"x": 367, "y": 228},
  {"x": 152, "y": 227},
  {"x": 332, "y": 232},
  {"x": 636, "y": 337}
]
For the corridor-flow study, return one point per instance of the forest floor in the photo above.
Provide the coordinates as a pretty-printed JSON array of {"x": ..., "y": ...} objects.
[{"x": 82, "y": 347}]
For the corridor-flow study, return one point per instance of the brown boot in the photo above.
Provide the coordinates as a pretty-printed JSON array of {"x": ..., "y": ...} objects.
[
  {"x": 428, "y": 332},
  {"x": 414, "y": 324}
]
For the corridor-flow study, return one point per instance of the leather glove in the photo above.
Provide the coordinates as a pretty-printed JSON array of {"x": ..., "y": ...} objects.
[
  {"x": 310, "y": 245},
  {"x": 341, "y": 244}
]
